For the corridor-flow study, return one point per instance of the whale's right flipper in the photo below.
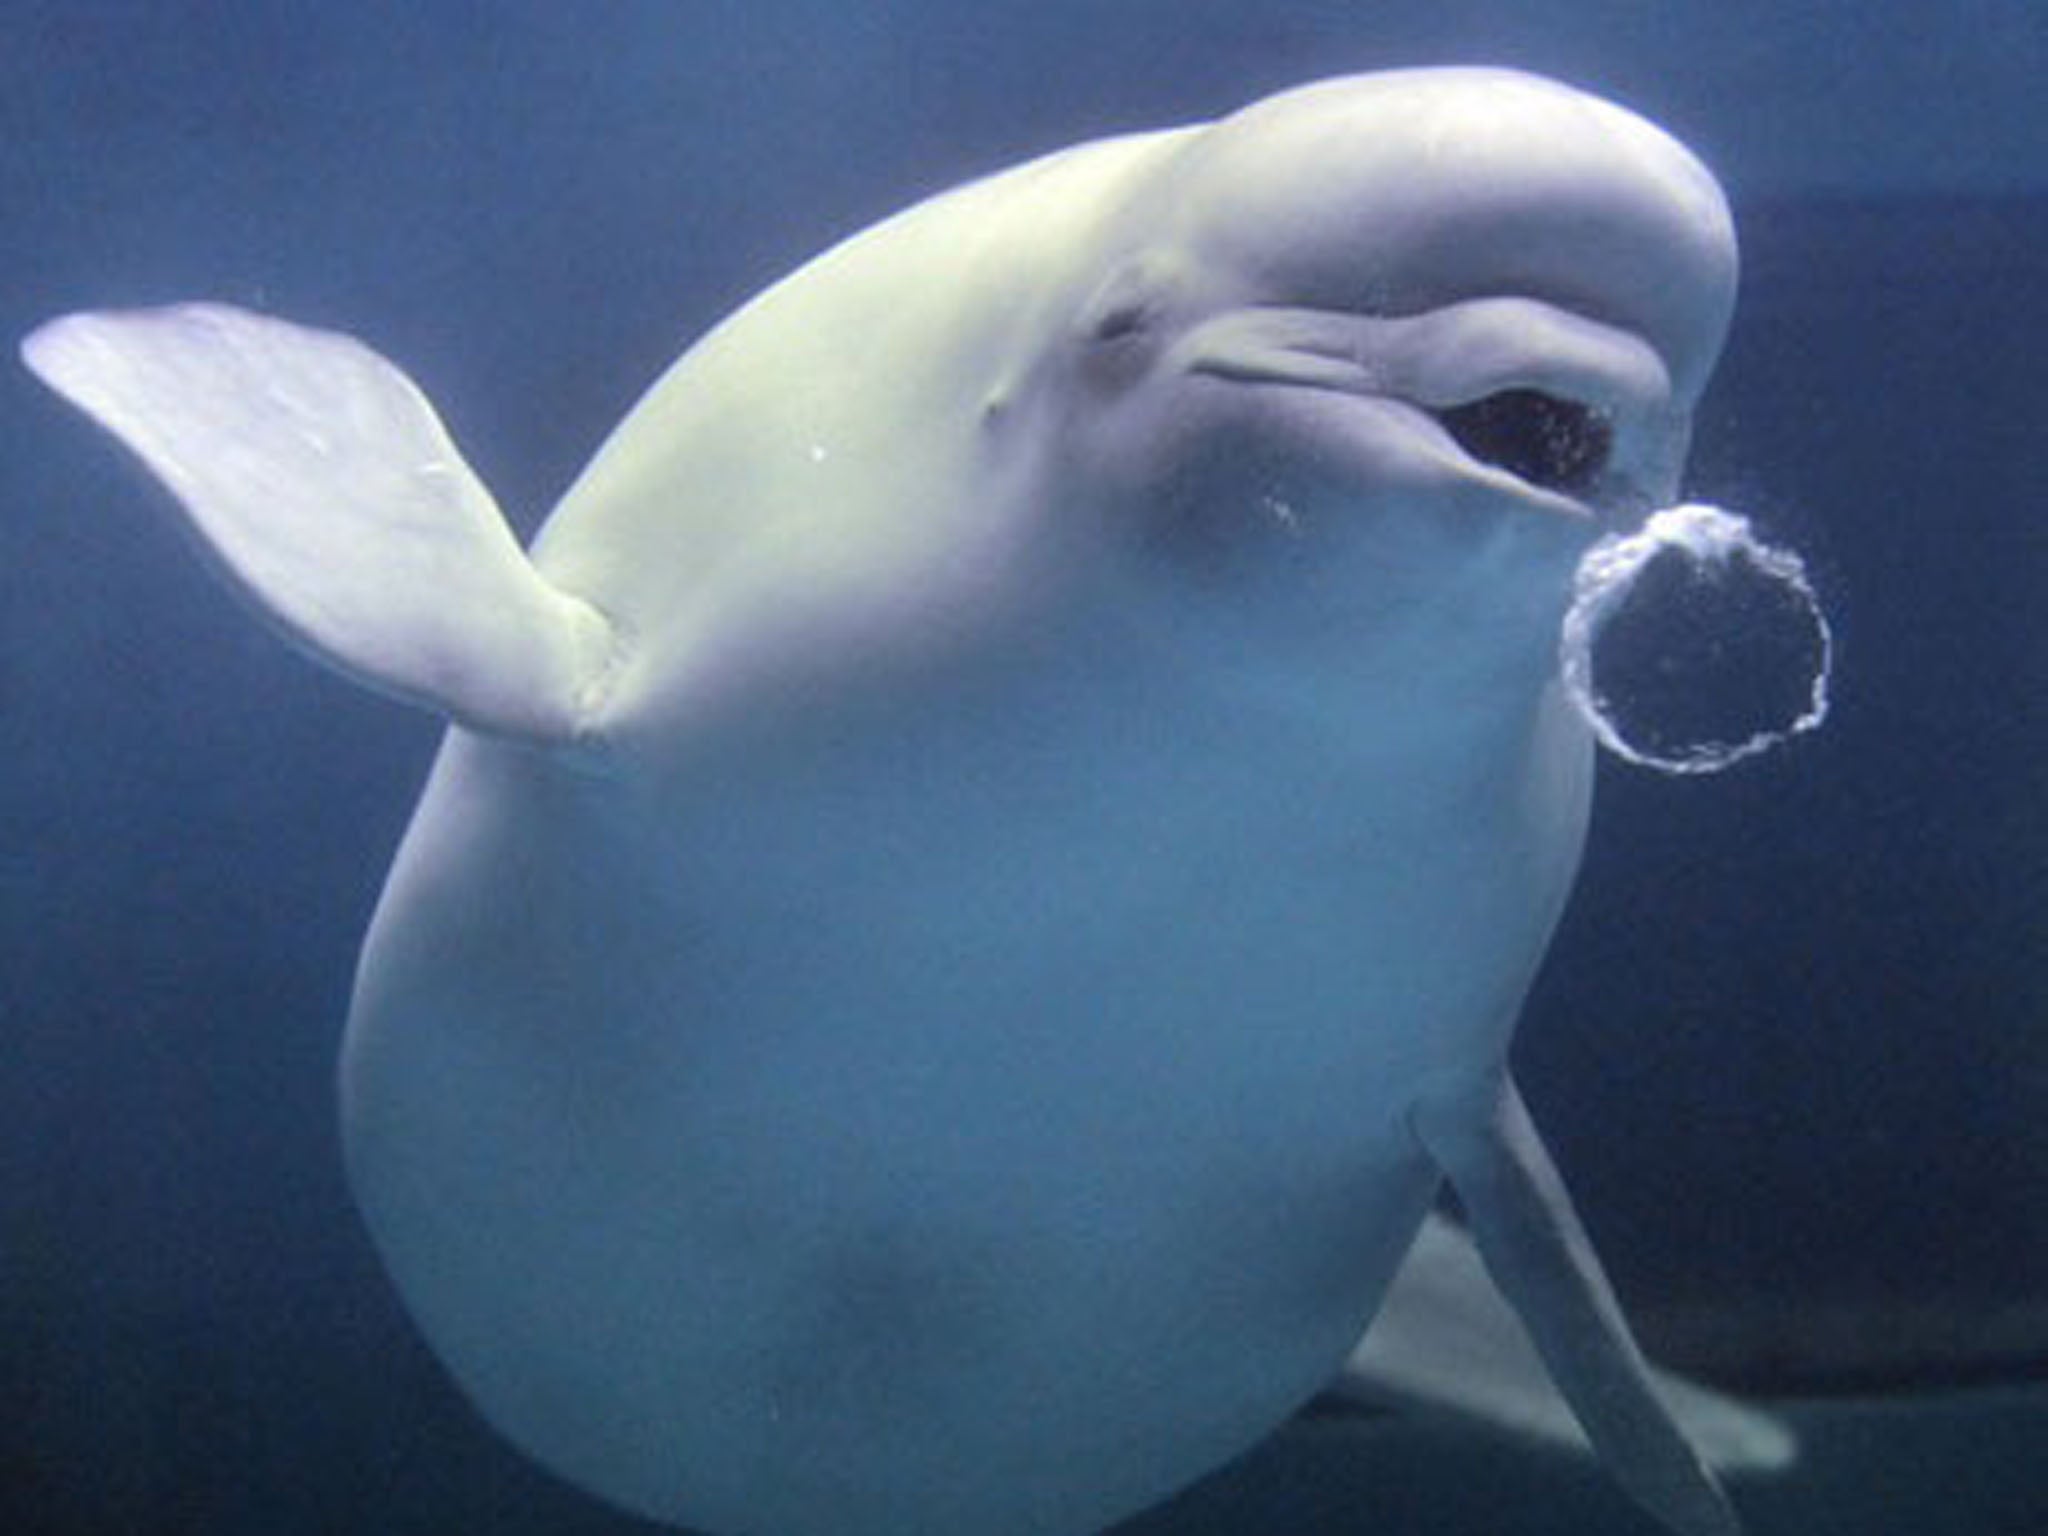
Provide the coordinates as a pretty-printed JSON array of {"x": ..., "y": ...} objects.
[
  {"x": 1444, "y": 1340},
  {"x": 321, "y": 483},
  {"x": 1538, "y": 1254}
]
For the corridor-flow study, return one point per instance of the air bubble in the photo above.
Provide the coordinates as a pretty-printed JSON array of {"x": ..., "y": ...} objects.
[{"x": 1691, "y": 644}]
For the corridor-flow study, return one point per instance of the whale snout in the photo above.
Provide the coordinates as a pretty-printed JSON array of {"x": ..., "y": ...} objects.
[
  {"x": 1471, "y": 291},
  {"x": 1396, "y": 195}
]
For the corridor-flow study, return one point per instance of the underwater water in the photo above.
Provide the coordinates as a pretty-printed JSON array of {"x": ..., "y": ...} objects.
[{"x": 1791, "y": 1046}]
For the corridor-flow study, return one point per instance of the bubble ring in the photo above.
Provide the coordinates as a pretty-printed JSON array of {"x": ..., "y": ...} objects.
[{"x": 1611, "y": 567}]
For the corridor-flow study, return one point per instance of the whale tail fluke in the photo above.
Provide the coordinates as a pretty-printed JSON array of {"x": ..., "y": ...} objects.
[{"x": 322, "y": 486}]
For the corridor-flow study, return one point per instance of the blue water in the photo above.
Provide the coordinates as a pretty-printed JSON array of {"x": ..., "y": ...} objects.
[{"x": 1791, "y": 1047}]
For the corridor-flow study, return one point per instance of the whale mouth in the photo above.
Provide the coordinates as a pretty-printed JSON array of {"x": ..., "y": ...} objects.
[
  {"x": 1547, "y": 449},
  {"x": 1526, "y": 397},
  {"x": 1553, "y": 442}
]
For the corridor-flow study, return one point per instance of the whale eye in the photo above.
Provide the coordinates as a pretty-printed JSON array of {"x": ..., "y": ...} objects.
[
  {"x": 1560, "y": 445},
  {"x": 1120, "y": 321}
]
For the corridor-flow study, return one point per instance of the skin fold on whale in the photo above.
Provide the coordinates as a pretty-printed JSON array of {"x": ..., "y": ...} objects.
[{"x": 985, "y": 862}]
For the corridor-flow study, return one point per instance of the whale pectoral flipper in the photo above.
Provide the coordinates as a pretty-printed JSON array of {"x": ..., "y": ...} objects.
[
  {"x": 1445, "y": 1339},
  {"x": 327, "y": 492},
  {"x": 1539, "y": 1255}
]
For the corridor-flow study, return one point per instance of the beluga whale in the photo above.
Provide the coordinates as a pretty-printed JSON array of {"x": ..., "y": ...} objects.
[{"x": 984, "y": 863}]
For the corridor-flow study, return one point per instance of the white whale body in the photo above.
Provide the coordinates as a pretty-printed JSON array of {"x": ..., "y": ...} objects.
[{"x": 987, "y": 858}]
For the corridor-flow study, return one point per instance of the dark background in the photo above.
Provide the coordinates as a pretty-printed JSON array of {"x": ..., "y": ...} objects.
[{"x": 1792, "y": 1045}]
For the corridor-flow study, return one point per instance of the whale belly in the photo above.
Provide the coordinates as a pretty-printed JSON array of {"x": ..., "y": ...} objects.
[{"x": 901, "y": 1151}]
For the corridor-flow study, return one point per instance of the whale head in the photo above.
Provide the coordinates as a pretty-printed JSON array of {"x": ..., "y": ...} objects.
[{"x": 1410, "y": 338}]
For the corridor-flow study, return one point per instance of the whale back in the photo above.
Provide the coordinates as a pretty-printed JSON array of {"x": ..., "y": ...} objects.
[{"x": 830, "y": 471}]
